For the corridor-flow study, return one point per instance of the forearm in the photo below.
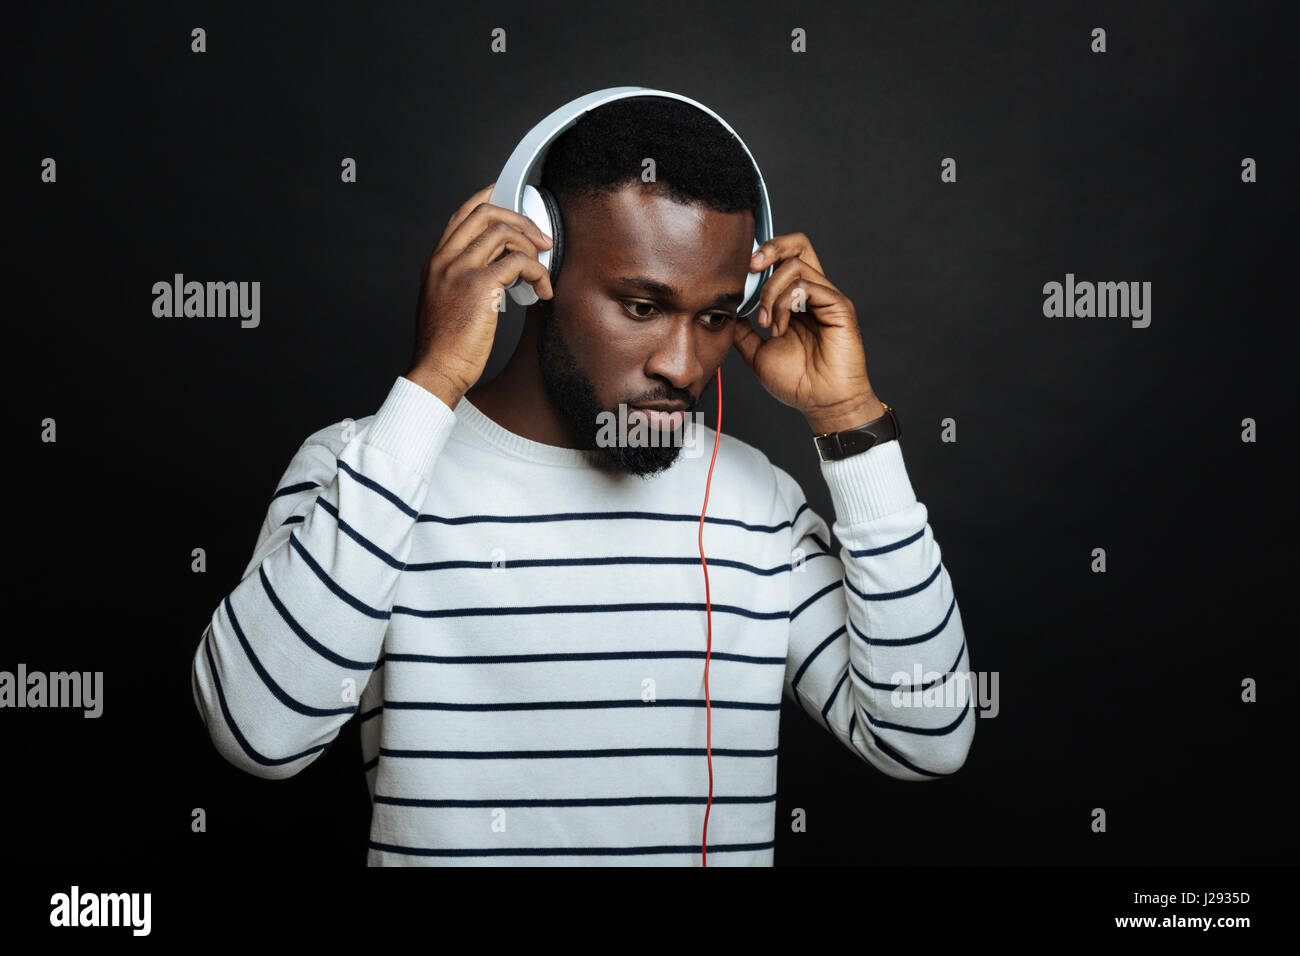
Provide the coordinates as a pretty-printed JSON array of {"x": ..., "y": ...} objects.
[
  {"x": 866, "y": 621},
  {"x": 906, "y": 642}
]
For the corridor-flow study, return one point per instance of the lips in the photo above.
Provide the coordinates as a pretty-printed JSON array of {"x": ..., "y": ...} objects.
[{"x": 663, "y": 416}]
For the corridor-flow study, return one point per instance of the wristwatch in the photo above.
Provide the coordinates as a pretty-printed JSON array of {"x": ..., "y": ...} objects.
[{"x": 853, "y": 441}]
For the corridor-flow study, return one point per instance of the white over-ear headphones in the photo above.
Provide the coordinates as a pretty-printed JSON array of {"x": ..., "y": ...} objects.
[{"x": 514, "y": 192}]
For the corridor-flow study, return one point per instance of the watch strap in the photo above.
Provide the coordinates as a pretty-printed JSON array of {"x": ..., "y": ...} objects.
[{"x": 835, "y": 446}]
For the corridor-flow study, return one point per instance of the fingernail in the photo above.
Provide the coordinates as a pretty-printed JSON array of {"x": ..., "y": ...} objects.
[
  {"x": 757, "y": 257},
  {"x": 762, "y": 315}
]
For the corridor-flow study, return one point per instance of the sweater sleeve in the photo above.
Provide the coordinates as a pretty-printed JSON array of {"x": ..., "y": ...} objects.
[
  {"x": 877, "y": 652},
  {"x": 287, "y": 653}
]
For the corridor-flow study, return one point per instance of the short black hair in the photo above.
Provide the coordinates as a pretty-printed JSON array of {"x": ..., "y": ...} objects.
[{"x": 696, "y": 159}]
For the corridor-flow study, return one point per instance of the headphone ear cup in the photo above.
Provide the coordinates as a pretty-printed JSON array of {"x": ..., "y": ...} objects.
[
  {"x": 540, "y": 206},
  {"x": 557, "y": 231},
  {"x": 753, "y": 286}
]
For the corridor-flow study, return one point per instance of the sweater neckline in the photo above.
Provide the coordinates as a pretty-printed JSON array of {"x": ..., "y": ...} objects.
[{"x": 518, "y": 446}]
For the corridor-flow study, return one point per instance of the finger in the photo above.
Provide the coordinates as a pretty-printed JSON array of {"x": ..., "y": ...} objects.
[
  {"x": 460, "y": 214},
  {"x": 808, "y": 296},
  {"x": 489, "y": 244},
  {"x": 788, "y": 246},
  {"x": 776, "y": 284},
  {"x": 745, "y": 340},
  {"x": 479, "y": 219},
  {"x": 520, "y": 265},
  {"x": 474, "y": 258},
  {"x": 781, "y": 276}
]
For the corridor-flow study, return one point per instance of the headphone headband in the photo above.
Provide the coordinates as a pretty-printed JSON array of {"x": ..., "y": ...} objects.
[{"x": 510, "y": 191}]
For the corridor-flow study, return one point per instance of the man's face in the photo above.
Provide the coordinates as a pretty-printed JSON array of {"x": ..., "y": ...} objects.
[{"x": 642, "y": 313}]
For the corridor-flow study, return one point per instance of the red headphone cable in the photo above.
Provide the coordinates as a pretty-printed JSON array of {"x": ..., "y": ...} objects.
[{"x": 708, "y": 611}]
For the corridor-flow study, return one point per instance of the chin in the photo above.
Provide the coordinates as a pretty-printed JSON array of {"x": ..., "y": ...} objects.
[{"x": 641, "y": 462}]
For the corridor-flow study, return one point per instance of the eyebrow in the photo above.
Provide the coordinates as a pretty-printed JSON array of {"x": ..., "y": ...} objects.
[{"x": 664, "y": 290}]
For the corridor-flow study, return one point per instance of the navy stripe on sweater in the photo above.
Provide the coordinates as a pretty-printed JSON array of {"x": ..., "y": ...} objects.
[
  {"x": 794, "y": 684},
  {"x": 611, "y": 516},
  {"x": 568, "y": 850},
  {"x": 833, "y": 586},
  {"x": 595, "y": 561},
  {"x": 580, "y": 656},
  {"x": 276, "y": 690},
  {"x": 912, "y": 688},
  {"x": 305, "y": 637},
  {"x": 294, "y": 489},
  {"x": 358, "y": 537},
  {"x": 569, "y": 801},
  {"x": 402, "y": 506},
  {"x": 893, "y": 754},
  {"x": 898, "y": 641},
  {"x": 577, "y": 704},
  {"x": 234, "y": 729},
  {"x": 589, "y": 609},
  {"x": 325, "y": 579},
  {"x": 892, "y": 595},
  {"x": 927, "y": 731},
  {"x": 561, "y": 754},
  {"x": 885, "y": 548},
  {"x": 558, "y": 516}
]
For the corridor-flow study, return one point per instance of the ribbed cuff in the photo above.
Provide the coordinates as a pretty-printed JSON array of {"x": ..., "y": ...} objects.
[
  {"x": 869, "y": 485},
  {"x": 412, "y": 426}
]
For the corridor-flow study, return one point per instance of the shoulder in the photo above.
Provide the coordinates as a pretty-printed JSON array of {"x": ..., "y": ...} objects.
[
  {"x": 335, "y": 436},
  {"x": 316, "y": 458},
  {"x": 765, "y": 485}
]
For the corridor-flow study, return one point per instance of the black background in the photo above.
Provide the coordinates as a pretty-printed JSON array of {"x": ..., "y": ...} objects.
[{"x": 1118, "y": 690}]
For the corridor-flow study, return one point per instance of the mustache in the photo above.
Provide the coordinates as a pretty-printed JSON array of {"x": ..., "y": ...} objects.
[
  {"x": 667, "y": 396},
  {"x": 685, "y": 399}
]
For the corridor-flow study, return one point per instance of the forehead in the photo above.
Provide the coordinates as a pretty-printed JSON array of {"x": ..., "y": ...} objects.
[{"x": 643, "y": 229}]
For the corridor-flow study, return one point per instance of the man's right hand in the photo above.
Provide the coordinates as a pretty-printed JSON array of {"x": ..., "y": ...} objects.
[{"x": 482, "y": 251}]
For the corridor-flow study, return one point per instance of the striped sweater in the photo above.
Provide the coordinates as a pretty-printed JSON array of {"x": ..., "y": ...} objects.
[{"x": 522, "y": 637}]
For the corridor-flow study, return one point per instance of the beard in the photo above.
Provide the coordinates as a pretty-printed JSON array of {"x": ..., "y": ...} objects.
[{"x": 574, "y": 398}]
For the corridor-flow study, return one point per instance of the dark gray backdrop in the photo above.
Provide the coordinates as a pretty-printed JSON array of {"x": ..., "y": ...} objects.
[{"x": 1117, "y": 690}]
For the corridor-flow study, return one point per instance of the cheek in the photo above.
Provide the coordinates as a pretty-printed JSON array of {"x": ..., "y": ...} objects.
[
  {"x": 593, "y": 323},
  {"x": 617, "y": 371},
  {"x": 606, "y": 347}
]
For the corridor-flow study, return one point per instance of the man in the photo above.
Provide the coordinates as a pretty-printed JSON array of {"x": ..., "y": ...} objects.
[{"x": 519, "y": 603}]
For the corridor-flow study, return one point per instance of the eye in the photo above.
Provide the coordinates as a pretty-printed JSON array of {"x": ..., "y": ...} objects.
[
  {"x": 630, "y": 304},
  {"x": 719, "y": 319}
]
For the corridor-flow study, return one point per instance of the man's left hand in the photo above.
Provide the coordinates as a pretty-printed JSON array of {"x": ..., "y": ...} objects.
[{"x": 814, "y": 360}]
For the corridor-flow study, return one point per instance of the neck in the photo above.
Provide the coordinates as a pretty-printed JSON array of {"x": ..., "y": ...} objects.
[{"x": 516, "y": 399}]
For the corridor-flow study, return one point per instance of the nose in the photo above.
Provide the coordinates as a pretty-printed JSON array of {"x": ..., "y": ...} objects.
[{"x": 674, "y": 358}]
